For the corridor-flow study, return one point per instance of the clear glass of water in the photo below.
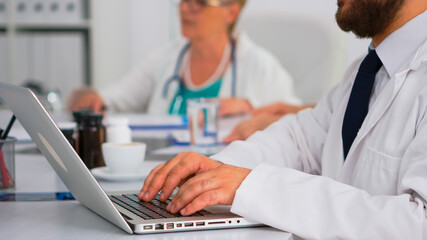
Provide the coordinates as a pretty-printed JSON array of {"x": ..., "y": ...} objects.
[{"x": 203, "y": 116}]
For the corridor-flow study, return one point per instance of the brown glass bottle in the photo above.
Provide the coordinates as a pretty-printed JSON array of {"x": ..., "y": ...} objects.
[
  {"x": 91, "y": 137},
  {"x": 78, "y": 117}
]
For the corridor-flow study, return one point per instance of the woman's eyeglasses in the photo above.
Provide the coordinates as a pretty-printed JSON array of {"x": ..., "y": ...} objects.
[{"x": 198, "y": 5}]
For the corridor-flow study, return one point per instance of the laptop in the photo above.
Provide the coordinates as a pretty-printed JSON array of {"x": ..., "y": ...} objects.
[{"x": 122, "y": 209}]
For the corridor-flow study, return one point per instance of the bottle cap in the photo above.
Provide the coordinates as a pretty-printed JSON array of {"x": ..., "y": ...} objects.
[
  {"x": 114, "y": 121},
  {"x": 92, "y": 120},
  {"x": 80, "y": 113}
]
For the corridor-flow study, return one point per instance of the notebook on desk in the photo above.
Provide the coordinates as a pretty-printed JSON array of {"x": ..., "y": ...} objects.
[{"x": 122, "y": 209}]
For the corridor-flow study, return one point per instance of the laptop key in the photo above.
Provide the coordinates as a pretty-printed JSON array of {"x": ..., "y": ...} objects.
[
  {"x": 149, "y": 210},
  {"x": 146, "y": 207},
  {"x": 131, "y": 209}
]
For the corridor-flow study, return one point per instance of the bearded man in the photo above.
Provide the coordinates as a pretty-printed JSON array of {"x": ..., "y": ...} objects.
[{"x": 354, "y": 167}]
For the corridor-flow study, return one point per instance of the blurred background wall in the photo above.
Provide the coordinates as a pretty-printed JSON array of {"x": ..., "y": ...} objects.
[{"x": 96, "y": 42}]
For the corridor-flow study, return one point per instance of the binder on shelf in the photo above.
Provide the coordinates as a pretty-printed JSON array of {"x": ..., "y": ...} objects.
[
  {"x": 4, "y": 74},
  {"x": 63, "y": 63},
  {"x": 23, "y": 58},
  {"x": 72, "y": 10},
  {"x": 3, "y": 11},
  {"x": 68, "y": 62},
  {"x": 37, "y": 11},
  {"x": 55, "y": 60},
  {"x": 22, "y": 11},
  {"x": 53, "y": 10},
  {"x": 40, "y": 64}
]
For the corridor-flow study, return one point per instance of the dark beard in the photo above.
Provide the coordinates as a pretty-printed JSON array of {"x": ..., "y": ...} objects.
[{"x": 367, "y": 18}]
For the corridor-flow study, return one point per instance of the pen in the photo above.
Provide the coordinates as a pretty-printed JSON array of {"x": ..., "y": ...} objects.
[
  {"x": 1, "y": 161},
  {"x": 9, "y": 126},
  {"x": 6, "y": 179}
]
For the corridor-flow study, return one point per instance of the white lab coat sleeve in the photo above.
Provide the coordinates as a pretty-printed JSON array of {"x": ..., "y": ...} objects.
[
  {"x": 295, "y": 141},
  {"x": 132, "y": 93},
  {"x": 268, "y": 146},
  {"x": 317, "y": 207}
]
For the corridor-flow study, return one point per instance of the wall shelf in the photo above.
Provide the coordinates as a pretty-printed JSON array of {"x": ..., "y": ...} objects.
[{"x": 48, "y": 41}]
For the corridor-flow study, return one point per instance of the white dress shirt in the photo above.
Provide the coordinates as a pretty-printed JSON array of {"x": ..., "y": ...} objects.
[{"x": 393, "y": 55}]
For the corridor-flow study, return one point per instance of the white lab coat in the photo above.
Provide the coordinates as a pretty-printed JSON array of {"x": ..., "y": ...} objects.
[
  {"x": 260, "y": 79},
  {"x": 379, "y": 192}
]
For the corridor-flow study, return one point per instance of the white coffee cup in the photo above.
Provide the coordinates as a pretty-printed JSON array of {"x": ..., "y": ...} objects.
[{"x": 124, "y": 158}]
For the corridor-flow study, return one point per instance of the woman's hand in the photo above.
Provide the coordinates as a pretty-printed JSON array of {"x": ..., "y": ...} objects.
[
  {"x": 203, "y": 182},
  {"x": 246, "y": 128},
  {"x": 85, "y": 98},
  {"x": 261, "y": 119},
  {"x": 234, "y": 106},
  {"x": 279, "y": 108}
]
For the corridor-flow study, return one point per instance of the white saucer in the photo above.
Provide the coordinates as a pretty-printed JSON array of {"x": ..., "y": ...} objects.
[{"x": 103, "y": 173}]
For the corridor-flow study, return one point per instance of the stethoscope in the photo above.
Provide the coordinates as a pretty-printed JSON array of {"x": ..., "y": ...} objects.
[{"x": 176, "y": 77}]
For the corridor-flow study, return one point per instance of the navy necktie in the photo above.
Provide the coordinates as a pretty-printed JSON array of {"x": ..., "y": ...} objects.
[{"x": 358, "y": 103}]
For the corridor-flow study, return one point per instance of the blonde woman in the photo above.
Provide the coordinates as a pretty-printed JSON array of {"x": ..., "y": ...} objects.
[{"x": 209, "y": 62}]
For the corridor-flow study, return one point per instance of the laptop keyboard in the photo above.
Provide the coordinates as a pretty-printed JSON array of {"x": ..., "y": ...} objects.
[{"x": 149, "y": 210}]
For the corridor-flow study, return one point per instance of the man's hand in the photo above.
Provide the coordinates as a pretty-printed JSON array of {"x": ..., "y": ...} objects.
[
  {"x": 216, "y": 186},
  {"x": 85, "y": 98},
  {"x": 203, "y": 182}
]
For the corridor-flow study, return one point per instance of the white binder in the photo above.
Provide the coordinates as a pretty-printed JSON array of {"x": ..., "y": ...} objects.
[
  {"x": 3, "y": 11},
  {"x": 4, "y": 73},
  {"x": 22, "y": 10},
  {"x": 53, "y": 10},
  {"x": 23, "y": 50},
  {"x": 72, "y": 10},
  {"x": 38, "y": 11}
]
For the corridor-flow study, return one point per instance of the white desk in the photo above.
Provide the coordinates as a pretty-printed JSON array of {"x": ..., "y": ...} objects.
[{"x": 71, "y": 220}]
